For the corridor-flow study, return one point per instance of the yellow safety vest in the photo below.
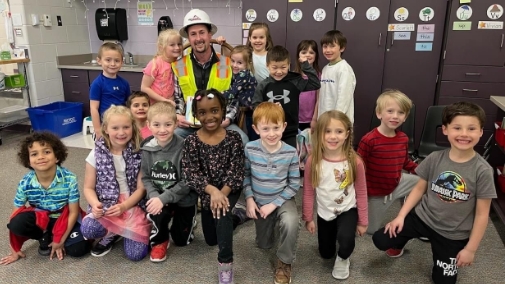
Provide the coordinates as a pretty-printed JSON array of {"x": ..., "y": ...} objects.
[{"x": 219, "y": 79}]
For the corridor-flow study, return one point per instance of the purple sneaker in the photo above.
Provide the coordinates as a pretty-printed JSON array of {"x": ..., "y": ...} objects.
[{"x": 225, "y": 273}]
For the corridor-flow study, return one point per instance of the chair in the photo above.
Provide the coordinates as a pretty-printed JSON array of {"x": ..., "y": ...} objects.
[
  {"x": 408, "y": 127},
  {"x": 213, "y": 41},
  {"x": 432, "y": 122}
]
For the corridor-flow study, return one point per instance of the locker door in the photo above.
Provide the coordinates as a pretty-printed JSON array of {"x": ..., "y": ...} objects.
[
  {"x": 475, "y": 46},
  {"x": 412, "y": 65},
  {"x": 308, "y": 27},
  {"x": 277, "y": 28},
  {"x": 365, "y": 49}
]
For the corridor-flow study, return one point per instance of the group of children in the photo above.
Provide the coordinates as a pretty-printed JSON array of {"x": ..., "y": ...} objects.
[{"x": 141, "y": 176}]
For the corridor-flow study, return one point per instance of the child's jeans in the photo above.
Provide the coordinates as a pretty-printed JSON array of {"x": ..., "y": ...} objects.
[{"x": 289, "y": 227}]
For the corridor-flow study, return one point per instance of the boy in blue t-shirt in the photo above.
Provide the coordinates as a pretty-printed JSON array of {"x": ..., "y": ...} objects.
[{"x": 108, "y": 88}]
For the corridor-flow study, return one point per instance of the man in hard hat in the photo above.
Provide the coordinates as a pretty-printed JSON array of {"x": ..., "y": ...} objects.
[{"x": 202, "y": 69}]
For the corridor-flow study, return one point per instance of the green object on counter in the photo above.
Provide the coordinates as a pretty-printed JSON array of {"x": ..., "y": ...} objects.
[{"x": 5, "y": 55}]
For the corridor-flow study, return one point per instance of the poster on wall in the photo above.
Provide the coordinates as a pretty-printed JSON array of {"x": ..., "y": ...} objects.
[{"x": 145, "y": 13}]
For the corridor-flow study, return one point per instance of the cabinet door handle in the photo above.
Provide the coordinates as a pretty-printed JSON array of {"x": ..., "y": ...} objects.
[
  {"x": 392, "y": 40},
  {"x": 501, "y": 44},
  {"x": 76, "y": 92},
  {"x": 380, "y": 38},
  {"x": 74, "y": 76},
  {"x": 470, "y": 90},
  {"x": 472, "y": 74}
]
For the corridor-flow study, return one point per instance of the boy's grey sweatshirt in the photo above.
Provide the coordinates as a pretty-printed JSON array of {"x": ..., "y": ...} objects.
[{"x": 161, "y": 172}]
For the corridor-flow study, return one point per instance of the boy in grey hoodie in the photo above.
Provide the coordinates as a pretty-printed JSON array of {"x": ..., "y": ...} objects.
[{"x": 167, "y": 194}]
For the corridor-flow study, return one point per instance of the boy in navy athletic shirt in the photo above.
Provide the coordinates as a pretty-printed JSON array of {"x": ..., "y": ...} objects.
[{"x": 108, "y": 88}]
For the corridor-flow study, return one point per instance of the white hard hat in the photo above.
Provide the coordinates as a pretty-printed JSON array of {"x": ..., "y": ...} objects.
[{"x": 195, "y": 17}]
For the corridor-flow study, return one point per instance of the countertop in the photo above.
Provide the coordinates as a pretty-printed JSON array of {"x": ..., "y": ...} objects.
[
  {"x": 83, "y": 62},
  {"x": 499, "y": 101},
  {"x": 89, "y": 66}
]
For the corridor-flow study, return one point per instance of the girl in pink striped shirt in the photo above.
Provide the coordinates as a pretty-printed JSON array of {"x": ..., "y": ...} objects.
[{"x": 336, "y": 179}]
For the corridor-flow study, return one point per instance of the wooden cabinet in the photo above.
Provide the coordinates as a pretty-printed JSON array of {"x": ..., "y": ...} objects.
[
  {"x": 384, "y": 57},
  {"x": 473, "y": 64},
  {"x": 76, "y": 87},
  {"x": 76, "y": 84}
]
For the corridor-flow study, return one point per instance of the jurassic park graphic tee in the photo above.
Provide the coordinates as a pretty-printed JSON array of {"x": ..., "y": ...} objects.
[{"x": 448, "y": 206}]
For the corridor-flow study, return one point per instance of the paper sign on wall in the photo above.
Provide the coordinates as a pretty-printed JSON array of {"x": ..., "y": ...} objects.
[
  {"x": 490, "y": 25},
  {"x": 465, "y": 1},
  {"x": 296, "y": 15},
  {"x": 401, "y": 14},
  {"x": 373, "y": 13},
  {"x": 145, "y": 13},
  {"x": 348, "y": 13},
  {"x": 426, "y": 28},
  {"x": 464, "y": 12},
  {"x": 401, "y": 28},
  {"x": 424, "y": 46},
  {"x": 425, "y": 36},
  {"x": 462, "y": 26},
  {"x": 246, "y": 26},
  {"x": 426, "y": 14},
  {"x": 272, "y": 15},
  {"x": 251, "y": 15},
  {"x": 495, "y": 11},
  {"x": 295, "y": 1},
  {"x": 402, "y": 35},
  {"x": 319, "y": 15}
]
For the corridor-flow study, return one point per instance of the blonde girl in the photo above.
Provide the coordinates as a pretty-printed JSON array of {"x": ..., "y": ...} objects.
[
  {"x": 242, "y": 89},
  {"x": 336, "y": 178},
  {"x": 114, "y": 190},
  {"x": 158, "y": 79},
  {"x": 260, "y": 41},
  {"x": 308, "y": 50}
]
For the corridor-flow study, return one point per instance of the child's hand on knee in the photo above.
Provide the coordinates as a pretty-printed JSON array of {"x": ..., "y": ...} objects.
[
  {"x": 251, "y": 208},
  {"x": 154, "y": 206},
  {"x": 266, "y": 210},
  {"x": 219, "y": 204},
  {"x": 311, "y": 227}
]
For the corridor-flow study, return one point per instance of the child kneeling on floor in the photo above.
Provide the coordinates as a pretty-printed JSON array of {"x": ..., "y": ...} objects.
[
  {"x": 53, "y": 216},
  {"x": 450, "y": 203}
]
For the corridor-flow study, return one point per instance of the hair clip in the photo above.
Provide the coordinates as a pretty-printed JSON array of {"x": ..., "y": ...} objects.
[
  {"x": 198, "y": 98},
  {"x": 210, "y": 96}
]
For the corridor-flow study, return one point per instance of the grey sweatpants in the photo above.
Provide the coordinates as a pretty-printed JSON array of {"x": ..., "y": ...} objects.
[
  {"x": 289, "y": 227},
  {"x": 377, "y": 206}
]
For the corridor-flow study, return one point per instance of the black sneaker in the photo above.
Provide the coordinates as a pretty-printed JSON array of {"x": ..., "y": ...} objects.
[
  {"x": 104, "y": 245},
  {"x": 44, "y": 243}
]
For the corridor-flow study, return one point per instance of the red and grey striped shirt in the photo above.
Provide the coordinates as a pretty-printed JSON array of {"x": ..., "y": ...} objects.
[{"x": 385, "y": 158}]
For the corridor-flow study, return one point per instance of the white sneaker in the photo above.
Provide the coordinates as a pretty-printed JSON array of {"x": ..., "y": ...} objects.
[{"x": 341, "y": 268}]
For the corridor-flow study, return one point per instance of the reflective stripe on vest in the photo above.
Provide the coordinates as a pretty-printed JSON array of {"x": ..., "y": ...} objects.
[{"x": 222, "y": 67}]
